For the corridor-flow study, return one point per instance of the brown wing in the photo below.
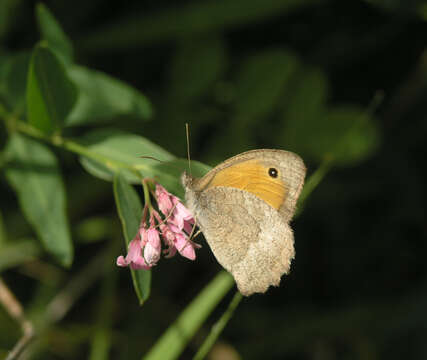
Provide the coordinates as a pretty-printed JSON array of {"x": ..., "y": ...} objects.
[
  {"x": 249, "y": 171},
  {"x": 248, "y": 237}
]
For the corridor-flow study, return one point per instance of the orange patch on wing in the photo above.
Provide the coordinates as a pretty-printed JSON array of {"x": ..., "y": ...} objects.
[{"x": 252, "y": 176}]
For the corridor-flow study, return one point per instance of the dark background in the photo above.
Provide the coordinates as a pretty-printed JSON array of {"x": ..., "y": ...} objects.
[{"x": 357, "y": 289}]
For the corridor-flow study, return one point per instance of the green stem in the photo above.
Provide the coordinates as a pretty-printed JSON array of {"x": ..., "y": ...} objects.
[
  {"x": 58, "y": 141},
  {"x": 173, "y": 341},
  {"x": 218, "y": 327},
  {"x": 147, "y": 195},
  {"x": 25, "y": 128},
  {"x": 313, "y": 181}
]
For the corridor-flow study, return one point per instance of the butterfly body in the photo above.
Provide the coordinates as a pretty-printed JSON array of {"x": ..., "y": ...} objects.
[{"x": 243, "y": 207}]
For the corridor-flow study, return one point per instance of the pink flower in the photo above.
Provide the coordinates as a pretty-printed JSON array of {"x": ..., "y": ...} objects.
[
  {"x": 180, "y": 214},
  {"x": 134, "y": 257},
  {"x": 188, "y": 226},
  {"x": 145, "y": 249},
  {"x": 169, "y": 239},
  {"x": 164, "y": 199},
  {"x": 170, "y": 203},
  {"x": 153, "y": 248},
  {"x": 184, "y": 246}
]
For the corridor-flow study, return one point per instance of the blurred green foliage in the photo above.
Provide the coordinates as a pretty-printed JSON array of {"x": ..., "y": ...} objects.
[{"x": 102, "y": 87}]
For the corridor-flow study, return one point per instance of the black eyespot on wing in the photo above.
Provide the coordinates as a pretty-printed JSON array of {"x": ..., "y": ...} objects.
[{"x": 272, "y": 172}]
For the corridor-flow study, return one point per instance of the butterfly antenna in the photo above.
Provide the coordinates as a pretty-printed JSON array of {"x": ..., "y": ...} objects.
[{"x": 187, "y": 132}]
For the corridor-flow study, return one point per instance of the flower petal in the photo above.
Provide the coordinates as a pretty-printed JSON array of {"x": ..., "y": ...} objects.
[
  {"x": 140, "y": 265},
  {"x": 180, "y": 214},
  {"x": 188, "y": 227},
  {"x": 153, "y": 237},
  {"x": 134, "y": 257},
  {"x": 185, "y": 247},
  {"x": 121, "y": 261},
  {"x": 180, "y": 210},
  {"x": 167, "y": 234},
  {"x": 151, "y": 254},
  {"x": 153, "y": 248},
  {"x": 163, "y": 199}
]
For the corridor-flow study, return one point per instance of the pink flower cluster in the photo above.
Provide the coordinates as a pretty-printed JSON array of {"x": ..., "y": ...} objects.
[{"x": 145, "y": 249}]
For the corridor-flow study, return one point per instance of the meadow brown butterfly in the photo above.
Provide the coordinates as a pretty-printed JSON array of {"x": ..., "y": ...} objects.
[{"x": 243, "y": 207}]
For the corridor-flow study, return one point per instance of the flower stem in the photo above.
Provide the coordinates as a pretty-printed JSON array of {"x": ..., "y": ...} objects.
[{"x": 147, "y": 195}]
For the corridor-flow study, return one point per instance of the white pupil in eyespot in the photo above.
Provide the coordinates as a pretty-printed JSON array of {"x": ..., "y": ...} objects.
[{"x": 273, "y": 172}]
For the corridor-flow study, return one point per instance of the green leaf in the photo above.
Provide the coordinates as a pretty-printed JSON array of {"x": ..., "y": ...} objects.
[
  {"x": 196, "y": 66},
  {"x": 135, "y": 157},
  {"x": 130, "y": 213},
  {"x": 50, "y": 94},
  {"x": 14, "y": 80},
  {"x": 347, "y": 135},
  {"x": 308, "y": 97},
  {"x": 53, "y": 34},
  {"x": 18, "y": 252},
  {"x": 34, "y": 174},
  {"x": 177, "y": 336},
  {"x": 111, "y": 151},
  {"x": 102, "y": 98},
  {"x": 260, "y": 87},
  {"x": 304, "y": 105},
  {"x": 169, "y": 173},
  {"x": 358, "y": 135},
  {"x": 261, "y": 83}
]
